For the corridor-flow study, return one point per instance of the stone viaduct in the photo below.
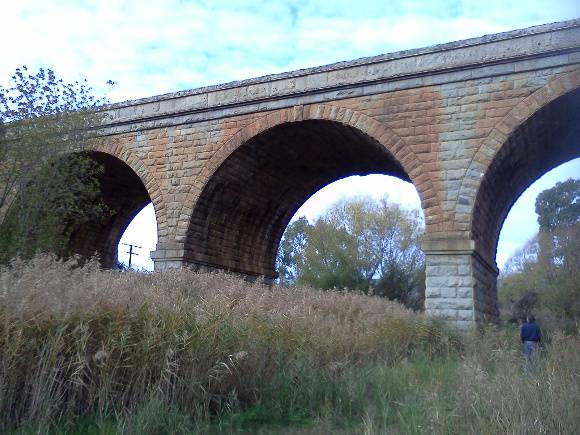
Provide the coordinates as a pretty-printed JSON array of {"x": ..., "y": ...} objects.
[{"x": 471, "y": 124}]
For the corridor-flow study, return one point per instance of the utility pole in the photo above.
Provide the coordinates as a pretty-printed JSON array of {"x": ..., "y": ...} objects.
[{"x": 130, "y": 252}]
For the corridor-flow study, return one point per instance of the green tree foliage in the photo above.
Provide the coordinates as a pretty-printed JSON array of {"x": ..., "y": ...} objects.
[
  {"x": 47, "y": 182},
  {"x": 360, "y": 244},
  {"x": 289, "y": 259},
  {"x": 559, "y": 206},
  {"x": 545, "y": 274}
]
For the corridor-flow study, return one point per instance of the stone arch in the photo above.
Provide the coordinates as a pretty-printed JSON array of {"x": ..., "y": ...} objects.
[
  {"x": 126, "y": 187},
  {"x": 499, "y": 135},
  {"x": 369, "y": 126},
  {"x": 307, "y": 147},
  {"x": 126, "y": 155},
  {"x": 123, "y": 189},
  {"x": 540, "y": 133}
]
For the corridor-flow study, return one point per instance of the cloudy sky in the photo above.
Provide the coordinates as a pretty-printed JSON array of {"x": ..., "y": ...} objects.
[{"x": 152, "y": 47}]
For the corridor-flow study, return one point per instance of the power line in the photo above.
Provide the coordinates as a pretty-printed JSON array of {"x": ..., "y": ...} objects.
[{"x": 130, "y": 252}]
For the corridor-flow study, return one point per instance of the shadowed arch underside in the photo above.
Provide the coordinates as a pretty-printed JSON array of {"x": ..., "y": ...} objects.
[
  {"x": 243, "y": 209},
  {"x": 124, "y": 194},
  {"x": 547, "y": 139}
]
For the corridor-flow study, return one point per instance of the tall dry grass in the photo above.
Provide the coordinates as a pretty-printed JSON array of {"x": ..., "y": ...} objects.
[
  {"x": 80, "y": 341},
  {"x": 84, "y": 350},
  {"x": 498, "y": 396}
]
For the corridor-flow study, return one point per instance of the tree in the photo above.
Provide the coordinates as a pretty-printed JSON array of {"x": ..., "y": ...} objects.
[
  {"x": 520, "y": 281},
  {"x": 541, "y": 277},
  {"x": 559, "y": 206},
  {"x": 47, "y": 181},
  {"x": 330, "y": 258},
  {"x": 290, "y": 252},
  {"x": 545, "y": 274},
  {"x": 359, "y": 244}
]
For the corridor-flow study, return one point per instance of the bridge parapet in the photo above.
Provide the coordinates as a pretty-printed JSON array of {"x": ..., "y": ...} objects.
[{"x": 544, "y": 46}]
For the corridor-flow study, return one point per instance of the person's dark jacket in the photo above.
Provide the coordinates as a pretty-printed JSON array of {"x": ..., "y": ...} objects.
[{"x": 530, "y": 332}]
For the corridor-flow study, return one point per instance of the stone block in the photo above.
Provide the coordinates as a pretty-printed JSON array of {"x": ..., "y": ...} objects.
[
  {"x": 441, "y": 282},
  {"x": 446, "y": 314},
  {"x": 448, "y": 292},
  {"x": 463, "y": 303},
  {"x": 465, "y": 315},
  {"x": 448, "y": 247},
  {"x": 317, "y": 81},
  {"x": 439, "y": 269},
  {"x": 465, "y": 292},
  {"x": 442, "y": 303},
  {"x": 432, "y": 292}
]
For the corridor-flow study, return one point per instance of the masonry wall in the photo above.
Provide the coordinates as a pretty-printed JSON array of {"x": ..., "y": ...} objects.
[
  {"x": 450, "y": 288},
  {"x": 440, "y": 130},
  {"x": 444, "y": 126},
  {"x": 441, "y": 116}
]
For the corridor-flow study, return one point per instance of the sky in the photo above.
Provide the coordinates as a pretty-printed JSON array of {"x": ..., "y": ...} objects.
[{"x": 153, "y": 47}]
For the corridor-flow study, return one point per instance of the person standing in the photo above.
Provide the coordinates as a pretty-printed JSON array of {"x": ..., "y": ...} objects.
[{"x": 531, "y": 337}]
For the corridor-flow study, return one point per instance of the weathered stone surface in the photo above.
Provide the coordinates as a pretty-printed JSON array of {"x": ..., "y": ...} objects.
[{"x": 470, "y": 124}]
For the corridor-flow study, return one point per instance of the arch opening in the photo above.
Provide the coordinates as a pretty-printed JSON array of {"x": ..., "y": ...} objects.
[
  {"x": 245, "y": 206},
  {"x": 547, "y": 139},
  {"x": 138, "y": 240},
  {"x": 375, "y": 186},
  {"x": 123, "y": 193},
  {"x": 513, "y": 235}
]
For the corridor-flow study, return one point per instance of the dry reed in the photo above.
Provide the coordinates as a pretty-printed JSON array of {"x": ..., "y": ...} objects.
[{"x": 84, "y": 341}]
